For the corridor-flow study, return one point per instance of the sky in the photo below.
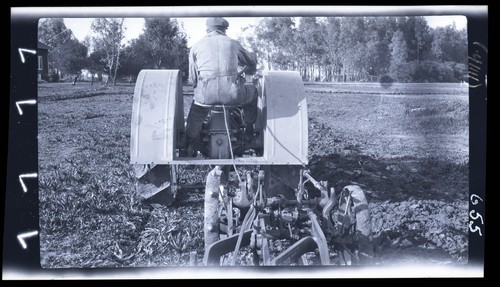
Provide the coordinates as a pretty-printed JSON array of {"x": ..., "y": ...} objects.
[{"x": 195, "y": 27}]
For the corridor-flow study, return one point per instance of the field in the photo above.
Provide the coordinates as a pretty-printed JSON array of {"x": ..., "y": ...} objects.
[{"x": 406, "y": 145}]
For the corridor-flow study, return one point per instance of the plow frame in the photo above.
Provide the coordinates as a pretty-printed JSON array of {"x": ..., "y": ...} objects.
[{"x": 253, "y": 230}]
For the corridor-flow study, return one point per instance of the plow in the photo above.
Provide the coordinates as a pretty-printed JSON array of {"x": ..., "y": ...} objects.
[
  {"x": 251, "y": 219},
  {"x": 278, "y": 202}
]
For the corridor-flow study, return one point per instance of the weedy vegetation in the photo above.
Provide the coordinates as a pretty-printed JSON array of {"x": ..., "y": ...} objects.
[{"x": 406, "y": 145}]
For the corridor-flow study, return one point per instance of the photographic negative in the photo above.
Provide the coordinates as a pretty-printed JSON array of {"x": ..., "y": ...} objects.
[{"x": 367, "y": 150}]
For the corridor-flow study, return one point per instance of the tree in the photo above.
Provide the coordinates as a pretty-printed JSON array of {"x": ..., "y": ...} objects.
[
  {"x": 251, "y": 42},
  {"x": 332, "y": 34},
  {"x": 421, "y": 30},
  {"x": 404, "y": 47},
  {"x": 161, "y": 33},
  {"x": 437, "y": 44},
  {"x": 380, "y": 32},
  {"x": 276, "y": 40},
  {"x": 311, "y": 46},
  {"x": 454, "y": 44},
  {"x": 109, "y": 33},
  {"x": 449, "y": 49},
  {"x": 399, "y": 56},
  {"x": 352, "y": 45},
  {"x": 53, "y": 31},
  {"x": 136, "y": 56},
  {"x": 95, "y": 64},
  {"x": 399, "y": 49},
  {"x": 67, "y": 54},
  {"x": 163, "y": 45},
  {"x": 73, "y": 55}
]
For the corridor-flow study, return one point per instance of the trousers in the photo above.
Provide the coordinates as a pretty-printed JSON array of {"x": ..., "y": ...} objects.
[{"x": 197, "y": 115}]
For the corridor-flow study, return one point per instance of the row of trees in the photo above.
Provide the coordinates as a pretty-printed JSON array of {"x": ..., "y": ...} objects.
[
  {"x": 162, "y": 45},
  {"x": 405, "y": 49},
  {"x": 361, "y": 48}
]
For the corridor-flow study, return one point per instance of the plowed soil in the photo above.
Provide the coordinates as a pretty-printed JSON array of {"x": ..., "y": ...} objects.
[{"x": 406, "y": 146}]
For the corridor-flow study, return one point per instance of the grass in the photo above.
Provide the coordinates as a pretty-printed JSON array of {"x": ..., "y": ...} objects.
[{"x": 386, "y": 125}]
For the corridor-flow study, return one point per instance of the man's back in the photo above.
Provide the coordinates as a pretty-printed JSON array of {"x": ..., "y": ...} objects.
[
  {"x": 213, "y": 69},
  {"x": 216, "y": 55}
]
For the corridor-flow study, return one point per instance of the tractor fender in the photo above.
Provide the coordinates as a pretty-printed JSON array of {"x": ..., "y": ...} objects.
[
  {"x": 285, "y": 111},
  {"x": 157, "y": 116}
]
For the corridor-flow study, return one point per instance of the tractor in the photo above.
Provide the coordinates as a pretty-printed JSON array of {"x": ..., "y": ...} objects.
[{"x": 279, "y": 202}]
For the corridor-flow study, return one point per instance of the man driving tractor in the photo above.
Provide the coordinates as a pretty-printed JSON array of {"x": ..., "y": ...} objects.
[
  {"x": 271, "y": 204},
  {"x": 216, "y": 63}
]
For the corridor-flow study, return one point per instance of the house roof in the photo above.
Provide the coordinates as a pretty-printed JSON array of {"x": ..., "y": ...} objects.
[{"x": 43, "y": 46}]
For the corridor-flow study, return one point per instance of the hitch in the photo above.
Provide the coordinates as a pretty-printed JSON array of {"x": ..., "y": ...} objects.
[{"x": 246, "y": 188}]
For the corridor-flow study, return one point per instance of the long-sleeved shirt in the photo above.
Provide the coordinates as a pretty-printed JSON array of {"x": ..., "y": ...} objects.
[{"x": 213, "y": 69}]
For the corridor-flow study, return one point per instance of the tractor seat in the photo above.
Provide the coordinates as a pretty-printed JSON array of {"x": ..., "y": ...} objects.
[{"x": 220, "y": 107}]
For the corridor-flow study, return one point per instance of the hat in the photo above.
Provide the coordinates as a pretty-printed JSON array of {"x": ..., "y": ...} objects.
[{"x": 218, "y": 22}]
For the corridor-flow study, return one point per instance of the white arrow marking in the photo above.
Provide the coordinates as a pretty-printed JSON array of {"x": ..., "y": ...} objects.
[
  {"x": 21, "y": 50},
  {"x": 26, "y": 175},
  {"x": 22, "y": 236},
  {"x": 29, "y": 102}
]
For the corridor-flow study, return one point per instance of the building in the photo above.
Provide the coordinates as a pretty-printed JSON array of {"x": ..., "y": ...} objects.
[{"x": 43, "y": 61}]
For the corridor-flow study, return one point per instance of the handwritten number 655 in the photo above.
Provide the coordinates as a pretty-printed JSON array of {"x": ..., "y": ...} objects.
[{"x": 474, "y": 215}]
